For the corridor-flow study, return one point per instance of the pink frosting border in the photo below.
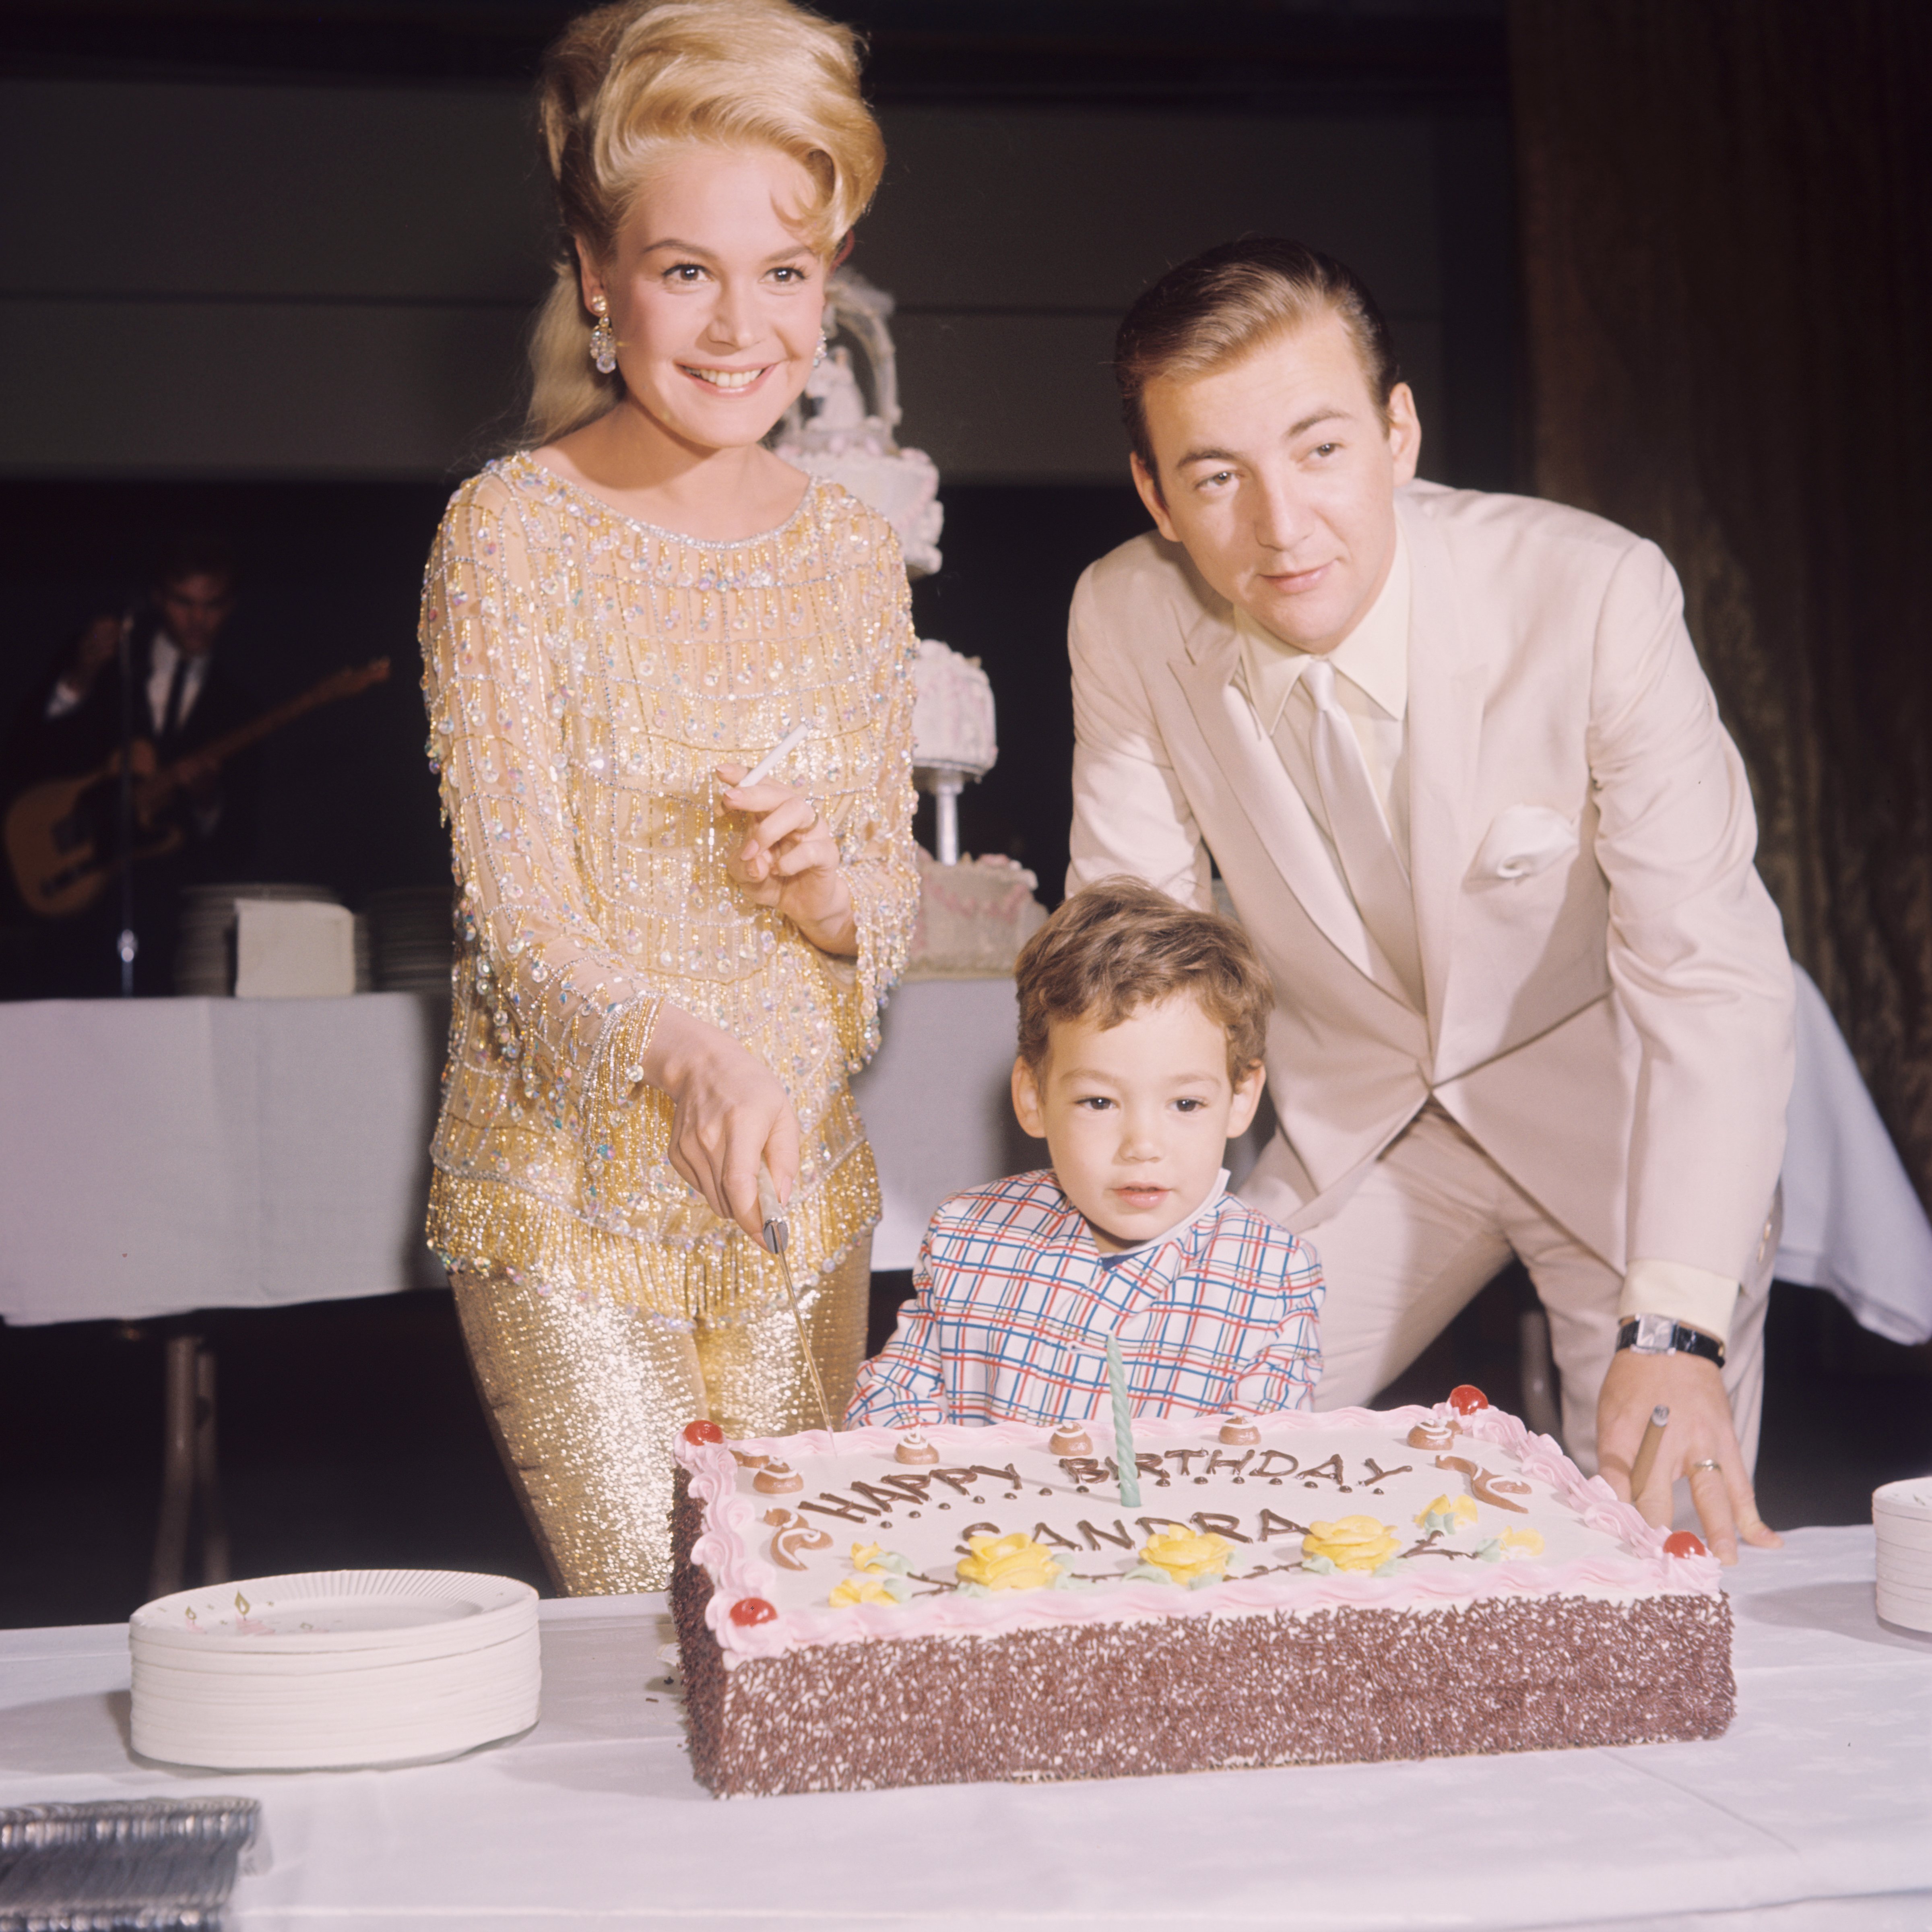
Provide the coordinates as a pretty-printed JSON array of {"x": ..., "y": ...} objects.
[{"x": 726, "y": 1547}]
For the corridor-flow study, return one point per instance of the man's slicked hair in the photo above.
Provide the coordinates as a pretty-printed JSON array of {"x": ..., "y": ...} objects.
[
  {"x": 1117, "y": 946},
  {"x": 1214, "y": 309}
]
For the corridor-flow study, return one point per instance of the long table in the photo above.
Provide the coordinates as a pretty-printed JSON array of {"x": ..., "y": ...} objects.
[
  {"x": 160, "y": 1155},
  {"x": 1815, "y": 1811}
]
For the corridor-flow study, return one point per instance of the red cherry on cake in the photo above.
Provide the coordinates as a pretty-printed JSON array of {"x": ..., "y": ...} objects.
[
  {"x": 749, "y": 1610},
  {"x": 703, "y": 1432},
  {"x": 1682, "y": 1542},
  {"x": 1465, "y": 1398}
]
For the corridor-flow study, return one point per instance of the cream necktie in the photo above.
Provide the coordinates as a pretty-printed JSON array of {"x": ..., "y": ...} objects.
[{"x": 1376, "y": 878}]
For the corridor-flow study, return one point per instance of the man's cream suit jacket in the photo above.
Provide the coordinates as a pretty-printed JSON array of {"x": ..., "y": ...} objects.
[{"x": 1610, "y": 998}]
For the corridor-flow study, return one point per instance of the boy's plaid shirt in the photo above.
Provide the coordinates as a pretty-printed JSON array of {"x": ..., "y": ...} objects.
[{"x": 1012, "y": 1307}]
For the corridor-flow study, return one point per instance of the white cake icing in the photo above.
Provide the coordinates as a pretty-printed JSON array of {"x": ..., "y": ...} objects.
[
  {"x": 952, "y": 712},
  {"x": 1522, "y": 1522},
  {"x": 847, "y": 446},
  {"x": 973, "y": 918}
]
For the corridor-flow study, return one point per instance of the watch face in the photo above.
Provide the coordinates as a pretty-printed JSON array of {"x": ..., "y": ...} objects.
[{"x": 1653, "y": 1335}]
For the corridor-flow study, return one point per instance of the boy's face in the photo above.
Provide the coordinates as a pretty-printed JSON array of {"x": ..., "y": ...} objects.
[{"x": 1136, "y": 1116}]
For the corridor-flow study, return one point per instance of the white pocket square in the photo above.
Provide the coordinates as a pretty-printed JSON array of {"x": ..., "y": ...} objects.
[{"x": 1523, "y": 841}]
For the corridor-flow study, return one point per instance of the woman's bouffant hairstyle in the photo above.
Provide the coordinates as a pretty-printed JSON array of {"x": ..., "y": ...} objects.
[
  {"x": 1117, "y": 946},
  {"x": 1216, "y": 308},
  {"x": 623, "y": 84}
]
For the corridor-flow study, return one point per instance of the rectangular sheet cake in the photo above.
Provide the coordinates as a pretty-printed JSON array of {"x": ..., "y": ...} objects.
[{"x": 887, "y": 1608}]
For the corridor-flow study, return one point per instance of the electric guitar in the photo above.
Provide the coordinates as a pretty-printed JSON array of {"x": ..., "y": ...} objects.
[{"x": 61, "y": 836}]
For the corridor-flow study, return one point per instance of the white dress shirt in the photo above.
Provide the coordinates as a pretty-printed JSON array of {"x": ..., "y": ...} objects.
[
  {"x": 1371, "y": 685},
  {"x": 1371, "y": 665},
  {"x": 164, "y": 654}
]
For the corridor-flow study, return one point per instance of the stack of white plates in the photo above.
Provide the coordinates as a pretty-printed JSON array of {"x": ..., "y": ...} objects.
[
  {"x": 204, "y": 941},
  {"x": 412, "y": 940},
  {"x": 333, "y": 1668},
  {"x": 1902, "y": 1515}
]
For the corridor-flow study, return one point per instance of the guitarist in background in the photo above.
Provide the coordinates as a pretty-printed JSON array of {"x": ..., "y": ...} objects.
[{"x": 185, "y": 696}]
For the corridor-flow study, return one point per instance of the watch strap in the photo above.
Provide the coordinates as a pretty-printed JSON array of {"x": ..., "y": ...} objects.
[{"x": 1659, "y": 1335}]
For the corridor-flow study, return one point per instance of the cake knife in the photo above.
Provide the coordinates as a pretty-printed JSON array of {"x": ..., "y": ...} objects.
[{"x": 778, "y": 1238}]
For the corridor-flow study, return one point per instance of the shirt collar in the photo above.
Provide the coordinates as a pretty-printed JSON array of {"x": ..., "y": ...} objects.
[
  {"x": 163, "y": 651},
  {"x": 1374, "y": 656},
  {"x": 1216, "y": 1195}
]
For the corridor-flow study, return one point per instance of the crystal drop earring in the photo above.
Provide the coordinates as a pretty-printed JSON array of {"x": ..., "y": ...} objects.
[
  {"x": 603, "y": 341},
  {"x": 819, "y": 354}
]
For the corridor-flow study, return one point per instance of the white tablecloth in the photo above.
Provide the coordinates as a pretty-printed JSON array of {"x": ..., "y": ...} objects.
[
  {"x": 936, "y": 1105},
  {"x": 1819, "y": 1801},
  {"x": 162, "y": 1155},
  {"x": 1853, "y": 1223}
]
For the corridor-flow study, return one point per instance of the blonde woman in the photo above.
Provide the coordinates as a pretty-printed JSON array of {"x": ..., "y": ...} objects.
[{"x": 665, "y": 977}]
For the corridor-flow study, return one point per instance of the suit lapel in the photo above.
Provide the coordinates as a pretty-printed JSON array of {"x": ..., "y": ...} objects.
[
  {"x": 1248, "y": 770},
  {"x": 1447, "y": 684}
]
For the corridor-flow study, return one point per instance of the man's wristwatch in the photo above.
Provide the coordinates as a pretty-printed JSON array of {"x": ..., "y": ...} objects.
[{"x": 1659, "y": 1335}]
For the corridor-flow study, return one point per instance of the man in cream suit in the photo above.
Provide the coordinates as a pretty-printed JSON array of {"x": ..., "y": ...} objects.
[{"x": 1454, "y": 758}]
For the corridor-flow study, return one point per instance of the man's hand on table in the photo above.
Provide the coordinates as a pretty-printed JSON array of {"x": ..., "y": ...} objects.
[{"x": 1700, "y": 1431}]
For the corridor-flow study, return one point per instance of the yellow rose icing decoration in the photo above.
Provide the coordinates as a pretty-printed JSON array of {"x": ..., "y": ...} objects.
[
  {"x": 878, "y": 1577},
  {"x": 1186, "y": 1557},
  {"x": 1014, "y": 1562},
  {"x": 862, "y": 1586},
  {"x": 1521, "y": 1543},
  {"x": 1449, "y": 1514},
  {"x": 1355, "y": 1542}
]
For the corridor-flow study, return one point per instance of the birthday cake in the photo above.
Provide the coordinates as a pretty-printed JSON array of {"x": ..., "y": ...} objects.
[{"x": 885, "y": 1608}]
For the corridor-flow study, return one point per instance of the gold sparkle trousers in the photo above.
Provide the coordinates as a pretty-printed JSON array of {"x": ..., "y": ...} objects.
[{"x": 586, "y": 1397}]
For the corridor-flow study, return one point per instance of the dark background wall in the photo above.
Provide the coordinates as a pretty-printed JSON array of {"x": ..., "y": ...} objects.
[{"x": 267, "y": 269}]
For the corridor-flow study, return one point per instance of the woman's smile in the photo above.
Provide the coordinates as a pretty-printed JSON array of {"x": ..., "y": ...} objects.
[{"x": 733, "y": 382}]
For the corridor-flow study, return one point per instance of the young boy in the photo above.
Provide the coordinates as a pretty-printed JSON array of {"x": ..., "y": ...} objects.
[{"x": 1140, "y": 1056}]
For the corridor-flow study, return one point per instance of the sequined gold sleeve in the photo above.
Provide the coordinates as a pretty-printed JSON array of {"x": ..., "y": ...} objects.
[
  {"x": 878, "y": 860},
  {"x": 495, "y": 706},
  {"x": 585, "y": 674}
]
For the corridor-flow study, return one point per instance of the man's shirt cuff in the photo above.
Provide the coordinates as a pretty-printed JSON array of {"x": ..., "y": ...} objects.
[{"x": 1692, "y": 1295}]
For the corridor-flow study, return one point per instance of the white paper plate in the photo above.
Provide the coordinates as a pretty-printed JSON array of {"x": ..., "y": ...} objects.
[
  {"x": 1913, "y": 1608},
  {"x": 401, "y": 1612},
  {"x": 334, "y": 1668},
  {"x": 409, "y": 1683},
  {"x": 1914, "y": 1613},
  {"x": 426, "y": 1748},
  {"x": 397, "y": 1724},
  {"x": 245, "y": 1658},
  {"x": 183, "y": 1737},
  {"x": 1903, "y": 1532},
  {"x": 1912, "y": 1498}
]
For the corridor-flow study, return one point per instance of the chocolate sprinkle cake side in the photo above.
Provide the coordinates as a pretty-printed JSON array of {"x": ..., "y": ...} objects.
[{"x": 1199, "y": 1693}]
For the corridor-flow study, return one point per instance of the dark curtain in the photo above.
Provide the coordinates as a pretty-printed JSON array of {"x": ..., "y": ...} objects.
[{"x": 1724, "y": 211}]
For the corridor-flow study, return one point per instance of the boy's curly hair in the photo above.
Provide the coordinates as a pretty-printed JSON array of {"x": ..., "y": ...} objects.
[{"x": 1119, "y": 945}]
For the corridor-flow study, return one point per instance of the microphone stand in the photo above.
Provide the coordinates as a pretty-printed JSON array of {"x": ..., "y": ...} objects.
[{"x": 128, "y": 943}]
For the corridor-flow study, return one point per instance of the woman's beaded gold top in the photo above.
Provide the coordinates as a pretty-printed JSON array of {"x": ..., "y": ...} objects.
[{"x": 584, "y": 673}]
